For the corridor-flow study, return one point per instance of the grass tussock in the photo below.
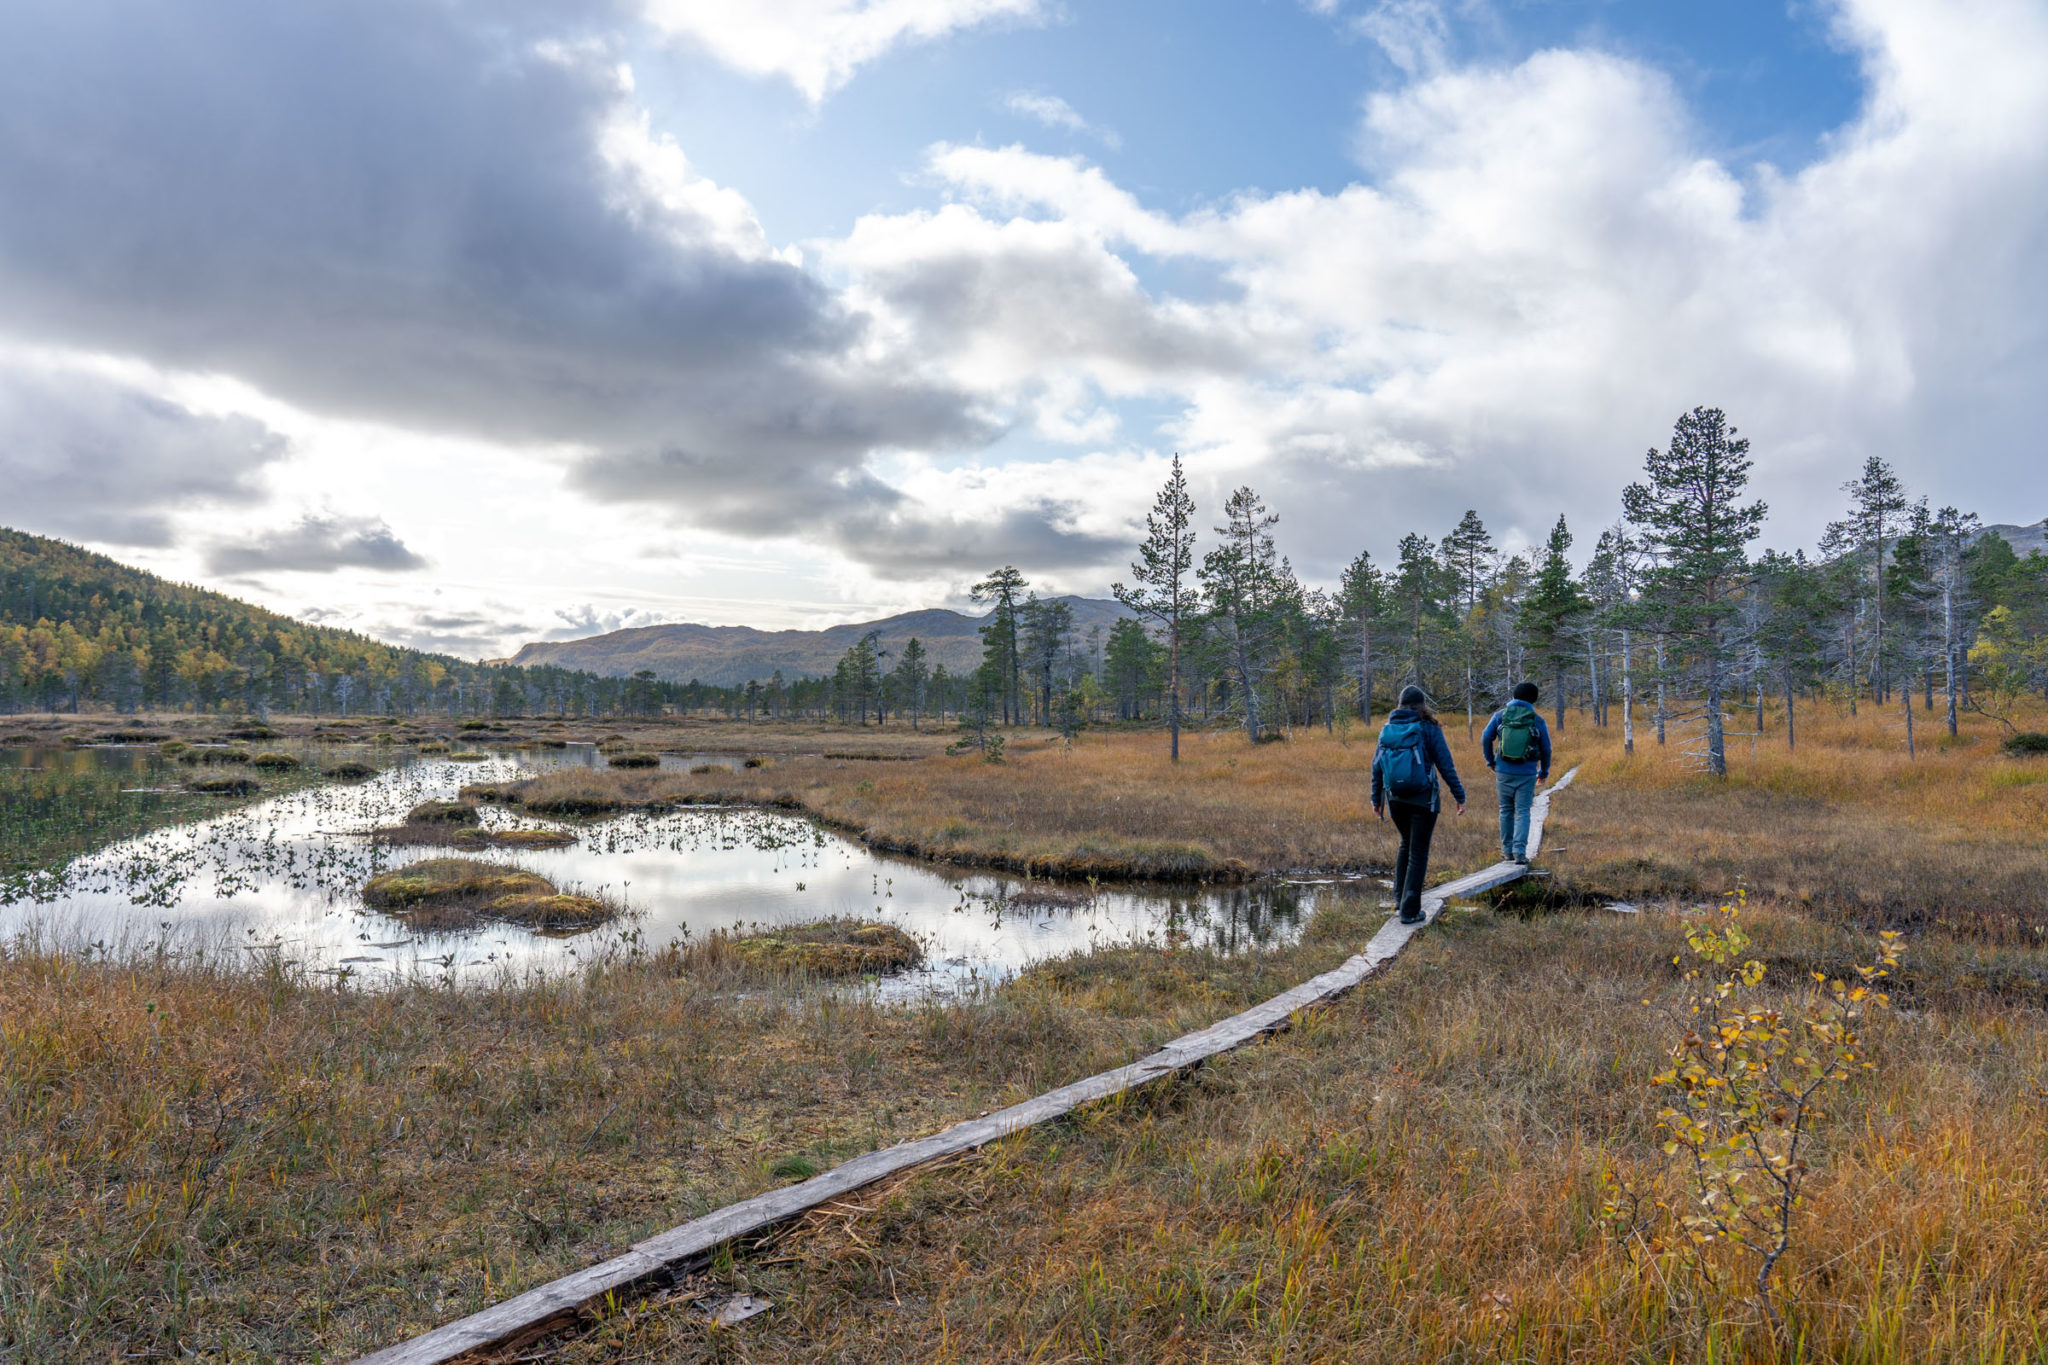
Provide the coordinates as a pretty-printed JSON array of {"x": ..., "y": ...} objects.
[
  {"x": 828, "y": 949},
  {"x": 442, "y": 813},
  {"x": 215, "y": 754},
  {"x": 441, "y": 894},
  {"x": 224, "y": 786},
  {"x": 435, "y": 834}
]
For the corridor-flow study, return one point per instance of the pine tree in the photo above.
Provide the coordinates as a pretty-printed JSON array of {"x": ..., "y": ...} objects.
[
  {"x": 1553, "y": 610},
  {"x": 1362, "y": 596},
  {"x": 1609, "y": 583},
  {"x": 1000, "y": 653},
  {"x": 1876, "y": 518},
  {"x": 1165, "y": 589},
  {"x": 912, "y": 673},
  {"x": 1796, "y": 605},
  {"x": 1943, "y": 587},
  {"x": 1469, "y": 556},
  {"x": 1691, "y": 516},
  {"x": 1420, "y": 594},
  {"x": 1246, "y": 586},
  {"x": 1045, "y": 626},
  {"x": 1131, "y": 663}
]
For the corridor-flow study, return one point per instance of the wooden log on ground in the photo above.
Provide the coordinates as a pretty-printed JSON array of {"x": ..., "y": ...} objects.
[{"x": 657, "y": 1260}]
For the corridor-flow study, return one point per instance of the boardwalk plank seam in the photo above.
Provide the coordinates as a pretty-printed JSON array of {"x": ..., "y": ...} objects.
[{"x": 653, "y": 1262}]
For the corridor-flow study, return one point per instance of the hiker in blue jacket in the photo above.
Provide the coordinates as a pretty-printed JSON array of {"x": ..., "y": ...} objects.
[
  {"x": 1411, "y": 752},
  {"x": 1522, "y": 762}
]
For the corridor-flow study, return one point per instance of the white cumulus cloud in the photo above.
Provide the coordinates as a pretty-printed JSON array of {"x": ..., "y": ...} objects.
[
  {"x": 1543, "y": 266},
  {"x": 817, "y": 45}
]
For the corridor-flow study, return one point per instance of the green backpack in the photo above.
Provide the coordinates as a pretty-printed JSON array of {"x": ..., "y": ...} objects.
[{"x": 1518, "y": 735}]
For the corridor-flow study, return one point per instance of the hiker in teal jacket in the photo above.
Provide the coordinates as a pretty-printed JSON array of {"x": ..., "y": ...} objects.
[
  {"x": 1411, "y": 752},
  {"x": 1522, "y": 762}
]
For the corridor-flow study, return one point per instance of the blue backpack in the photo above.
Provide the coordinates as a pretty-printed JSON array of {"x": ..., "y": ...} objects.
[{"x": 1403, "y": 762}]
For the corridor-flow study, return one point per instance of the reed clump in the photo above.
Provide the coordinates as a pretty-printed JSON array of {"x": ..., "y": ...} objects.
[{"x": 826, "y": 949}]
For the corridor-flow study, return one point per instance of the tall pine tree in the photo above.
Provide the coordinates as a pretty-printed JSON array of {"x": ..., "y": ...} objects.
[
  {"x": 1691, "y": 516},
  {"x": 1165, "y": 591},
  {"x": 1553, "y": 612}
]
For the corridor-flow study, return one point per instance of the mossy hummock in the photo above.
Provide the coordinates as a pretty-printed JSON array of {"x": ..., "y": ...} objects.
[
  {"x": 826, "y": 948},
  {"x": 456, "y": 893}
]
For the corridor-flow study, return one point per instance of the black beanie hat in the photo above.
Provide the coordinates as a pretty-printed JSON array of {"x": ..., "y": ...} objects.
[{"x": 1414, "y": 696}]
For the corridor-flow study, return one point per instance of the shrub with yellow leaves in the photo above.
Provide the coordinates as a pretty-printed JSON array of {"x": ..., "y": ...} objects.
[{"x": 1743, "y": 1096}]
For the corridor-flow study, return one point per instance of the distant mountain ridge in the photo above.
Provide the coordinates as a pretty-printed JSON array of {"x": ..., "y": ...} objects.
[
  {"x": 728, "y": 656},
  {"x": 2025, "y": 540}
]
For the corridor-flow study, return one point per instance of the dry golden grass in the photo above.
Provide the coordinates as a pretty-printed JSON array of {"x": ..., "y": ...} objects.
[
  {"x": 1108, "y": 806},
  {"x": 1414, "y": 1175},
  {"x": 1846, "y": 824},
  {"x": 251, "y": 1165},
  {"x": 242, "y": 1164}
]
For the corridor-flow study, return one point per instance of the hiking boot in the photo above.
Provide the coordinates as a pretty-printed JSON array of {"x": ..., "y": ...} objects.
[{"x": 1414, "y": 919}]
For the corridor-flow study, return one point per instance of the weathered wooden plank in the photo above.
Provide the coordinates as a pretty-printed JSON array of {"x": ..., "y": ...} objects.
[
  {"x": 556, "y": 1301},
  {"x": 650, "y": 1261}
]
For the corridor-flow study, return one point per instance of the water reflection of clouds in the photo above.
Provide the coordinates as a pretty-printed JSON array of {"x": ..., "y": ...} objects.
[{"x": 285, "y": 875}]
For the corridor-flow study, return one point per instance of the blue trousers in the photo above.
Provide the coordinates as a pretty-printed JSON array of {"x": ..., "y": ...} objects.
[{"x": 1516, "y": 792}]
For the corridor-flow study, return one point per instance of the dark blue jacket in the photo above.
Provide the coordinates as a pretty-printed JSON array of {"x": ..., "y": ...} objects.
[
  {"x": 1438, "y": 751},
  {"x": 1527, "y": 766}
]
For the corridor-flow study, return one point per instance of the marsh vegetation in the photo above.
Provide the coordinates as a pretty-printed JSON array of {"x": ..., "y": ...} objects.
[{"x": 1415, "y": 1173}]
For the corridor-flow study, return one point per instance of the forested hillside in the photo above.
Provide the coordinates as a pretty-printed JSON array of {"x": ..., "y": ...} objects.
[{"x": 78, "y": 629}]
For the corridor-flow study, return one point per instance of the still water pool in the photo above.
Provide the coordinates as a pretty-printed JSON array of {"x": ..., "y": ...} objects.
[{"x": 284, "y": 876}]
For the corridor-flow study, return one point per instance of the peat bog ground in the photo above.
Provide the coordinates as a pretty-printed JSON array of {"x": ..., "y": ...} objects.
[{"x": 243, "y": 1159}]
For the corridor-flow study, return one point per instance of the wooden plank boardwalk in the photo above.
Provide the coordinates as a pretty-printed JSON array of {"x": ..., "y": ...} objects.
[{"x": 654, "y": 1263}]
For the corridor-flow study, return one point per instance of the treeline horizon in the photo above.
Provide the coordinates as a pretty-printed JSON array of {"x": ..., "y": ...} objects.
[{"x": 1671, "y": 622}]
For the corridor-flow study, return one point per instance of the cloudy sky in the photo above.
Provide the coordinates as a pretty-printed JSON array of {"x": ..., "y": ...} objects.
[{"x": 471, "y": 323}]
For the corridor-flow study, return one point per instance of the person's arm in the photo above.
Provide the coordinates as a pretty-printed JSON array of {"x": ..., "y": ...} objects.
[
  {"x": 1379, "y": 795},
  {"x": 1440, "y": 752},
  {"x": 1543, "y": 741},
  {"x": 1488, "y": 735}
]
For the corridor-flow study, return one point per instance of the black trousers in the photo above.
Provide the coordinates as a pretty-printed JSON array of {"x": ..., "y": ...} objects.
[{"x": 1411, "y": 869}]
